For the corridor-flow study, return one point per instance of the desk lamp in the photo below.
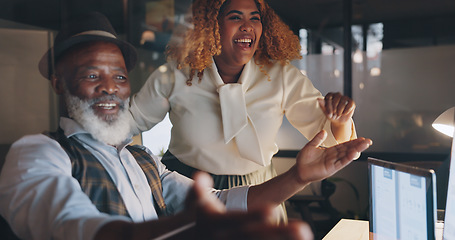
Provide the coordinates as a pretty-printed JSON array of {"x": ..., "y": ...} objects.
[{"x": 445, "y": 124}]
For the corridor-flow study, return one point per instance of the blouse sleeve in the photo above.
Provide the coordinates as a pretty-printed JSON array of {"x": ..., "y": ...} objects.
[
  {"x": 150, "y": 105},
  {"x": 301, "y": 105}
]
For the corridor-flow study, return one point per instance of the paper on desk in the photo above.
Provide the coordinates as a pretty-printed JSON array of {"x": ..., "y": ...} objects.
[{"x": 348, "y": 229}]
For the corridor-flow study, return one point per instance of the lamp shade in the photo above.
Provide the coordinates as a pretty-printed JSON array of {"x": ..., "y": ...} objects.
[{"x": 445, "y": 122}]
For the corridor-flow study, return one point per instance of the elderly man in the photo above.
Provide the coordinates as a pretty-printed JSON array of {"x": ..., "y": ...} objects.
[{"x": 85, "y": 181}]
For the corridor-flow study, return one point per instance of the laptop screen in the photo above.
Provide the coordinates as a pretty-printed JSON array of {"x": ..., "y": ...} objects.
[{"x": 402, "y": 201}]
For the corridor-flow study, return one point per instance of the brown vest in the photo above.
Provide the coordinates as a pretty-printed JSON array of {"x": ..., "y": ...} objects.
[{"x": 96, "y": 182}]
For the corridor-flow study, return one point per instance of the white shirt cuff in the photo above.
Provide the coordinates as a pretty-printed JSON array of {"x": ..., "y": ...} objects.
[{"x": 237, "y": 198}]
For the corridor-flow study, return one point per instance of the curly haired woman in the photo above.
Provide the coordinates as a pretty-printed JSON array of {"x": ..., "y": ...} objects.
[{"x": 226, "y": 86}]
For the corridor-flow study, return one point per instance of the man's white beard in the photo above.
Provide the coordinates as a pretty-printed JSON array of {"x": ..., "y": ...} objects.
[{"x": 112, "y": 131}]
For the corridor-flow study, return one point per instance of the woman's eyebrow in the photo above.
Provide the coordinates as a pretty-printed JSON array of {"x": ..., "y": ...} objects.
[
  {"x": 240, "y": 12},
  {"x": 234, "y": 11}
]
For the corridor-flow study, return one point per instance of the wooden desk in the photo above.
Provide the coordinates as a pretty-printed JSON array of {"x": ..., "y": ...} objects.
[{"x": 348, "y": 229}]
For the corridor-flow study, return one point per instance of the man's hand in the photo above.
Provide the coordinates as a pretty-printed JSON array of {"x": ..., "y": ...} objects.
[
  {"x": 214, "y": 222},
  {"x": 316, "y": 163}
]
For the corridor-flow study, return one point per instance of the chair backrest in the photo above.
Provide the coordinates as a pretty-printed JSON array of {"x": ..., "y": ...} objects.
[
  {"x": 5, "y": 231},
  {"x": 4, "y": 148}
]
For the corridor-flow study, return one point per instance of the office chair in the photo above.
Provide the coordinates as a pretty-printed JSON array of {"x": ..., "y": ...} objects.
[{"x": 317, "y": 210}]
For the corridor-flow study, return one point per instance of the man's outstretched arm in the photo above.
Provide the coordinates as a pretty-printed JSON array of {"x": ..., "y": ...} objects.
[
  {"x": 313, "y": 163},
  {"x": 206, "y": 218}
]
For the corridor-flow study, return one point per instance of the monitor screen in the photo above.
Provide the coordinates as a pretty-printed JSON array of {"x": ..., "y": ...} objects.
[{"x": 402, "y": 201}]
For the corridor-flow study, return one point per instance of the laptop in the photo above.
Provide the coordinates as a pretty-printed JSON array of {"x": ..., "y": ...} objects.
[{"x": 402, "y": 201}]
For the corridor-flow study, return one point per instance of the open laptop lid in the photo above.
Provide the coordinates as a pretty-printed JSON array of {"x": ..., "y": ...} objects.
[{"x": 402, "y": 201}]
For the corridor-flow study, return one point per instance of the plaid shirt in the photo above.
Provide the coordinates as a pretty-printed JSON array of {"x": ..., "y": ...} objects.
[{"x": 96, "y": 182}]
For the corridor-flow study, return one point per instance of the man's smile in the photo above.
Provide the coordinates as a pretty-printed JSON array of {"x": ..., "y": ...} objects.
[{"x": 106, "y": 106}]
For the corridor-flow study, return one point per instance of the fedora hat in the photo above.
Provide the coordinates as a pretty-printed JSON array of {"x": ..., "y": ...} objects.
[{"x": 89, "y": 27}]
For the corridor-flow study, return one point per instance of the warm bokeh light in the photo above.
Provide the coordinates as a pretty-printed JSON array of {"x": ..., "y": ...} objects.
[
  {"x": 358, "y": 56},
  {"x": 374, "y": 72}
]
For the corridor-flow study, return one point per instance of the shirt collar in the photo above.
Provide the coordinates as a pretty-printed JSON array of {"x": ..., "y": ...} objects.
[
  {"x": 73, "y": 128},
  {"x": 247, "y": 76}
]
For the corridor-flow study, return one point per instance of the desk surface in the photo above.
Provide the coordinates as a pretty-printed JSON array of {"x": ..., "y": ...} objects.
[{"x": 348, "y": 229}]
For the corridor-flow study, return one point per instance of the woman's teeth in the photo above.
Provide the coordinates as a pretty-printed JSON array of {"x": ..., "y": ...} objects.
[
  {"x": 243, "y": 40},
  {"x": 246, "y": 40}
]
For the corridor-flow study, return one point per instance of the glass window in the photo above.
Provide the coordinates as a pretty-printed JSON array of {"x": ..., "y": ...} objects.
[
  {"x": 400, "y": 90},
  {"x": 400, "y": 82}
]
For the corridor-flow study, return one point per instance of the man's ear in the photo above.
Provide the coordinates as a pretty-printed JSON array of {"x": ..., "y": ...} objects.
[{"x": 57, "y": 84}]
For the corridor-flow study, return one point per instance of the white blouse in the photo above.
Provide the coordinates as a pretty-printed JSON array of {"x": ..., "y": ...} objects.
[{"x": 229, "y": 129}]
